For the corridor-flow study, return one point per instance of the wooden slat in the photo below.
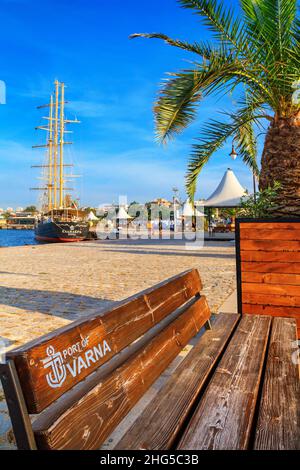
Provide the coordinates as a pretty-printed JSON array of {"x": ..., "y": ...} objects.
[
  {"x": 87, "y": 423},
  {"x": 264, "y": 256},
  {"x": 272, "y": 310},
  {"x": 265, "y": 267},
  {"x": 271, "y": 299},
  {"x": 224, "y": 417},
  {"x": 270, "y": 225},
  {"x": 271, "y": 289},
  {"x": 157, "y": 427},
  {"x": 270, "y": 234},
  {"x": 278, "y": 426},
  {"x": 270, "y": 245},
  {"x": 272, "y": 278},
  {"x": 119, "y": 327}
]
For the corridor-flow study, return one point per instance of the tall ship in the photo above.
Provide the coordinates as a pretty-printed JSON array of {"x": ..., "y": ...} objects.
[{"x": 61, "y": 220}]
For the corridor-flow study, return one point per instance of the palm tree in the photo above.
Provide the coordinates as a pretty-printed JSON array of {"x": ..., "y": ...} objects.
[{"x": 256, "y": 53}]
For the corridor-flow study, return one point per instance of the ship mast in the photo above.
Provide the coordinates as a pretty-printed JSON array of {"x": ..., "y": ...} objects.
[
  {"x": 56, "y": 129},
  {"x": 61, "y": 145},
  {"x": 50, "y": 156},
  {"x": 55, "y": 143}
]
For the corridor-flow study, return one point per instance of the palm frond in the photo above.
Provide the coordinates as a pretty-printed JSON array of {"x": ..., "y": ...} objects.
[
  {"x": 203, "y": 49},
  {"x": 221, "y": 21},
  {"x": 278, "y": 17},
  {"x": 259, "y": 49},
  {"x": 176, "y": 106},
  {"x": 215, "y": 133}
]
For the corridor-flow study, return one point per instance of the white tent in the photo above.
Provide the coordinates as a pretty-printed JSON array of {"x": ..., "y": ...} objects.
[
  {"x": 121, "y": 215},
  {"x": 188, "y": 210},
  {"x": 228, "y": 193},
  {"x": 92, "y": 216}
]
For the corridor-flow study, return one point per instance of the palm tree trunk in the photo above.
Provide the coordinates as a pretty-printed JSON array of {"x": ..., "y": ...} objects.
[{"x": 281, "y": 162}]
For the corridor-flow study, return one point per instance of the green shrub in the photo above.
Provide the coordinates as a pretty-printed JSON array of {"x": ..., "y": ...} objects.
[{"x": 261, "y": 204}]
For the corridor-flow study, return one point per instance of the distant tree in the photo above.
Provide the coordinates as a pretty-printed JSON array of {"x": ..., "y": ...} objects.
[
  {"x": 30, "y": 209},
  {"x": 87, "y": 210}
]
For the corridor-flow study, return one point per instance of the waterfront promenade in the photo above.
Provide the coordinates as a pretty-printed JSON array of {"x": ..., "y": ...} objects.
[{"x": 44, "y": 287}]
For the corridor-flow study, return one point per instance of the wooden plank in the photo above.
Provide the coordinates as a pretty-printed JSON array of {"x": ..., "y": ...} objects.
[
  {"x": 263, "y": 256},
  {"x": 271, "y": 278},
  {"x": 278, "y": 426},
  {"x": 270, "y": 245},
  {"x": 91, "y": 418},
  {"x": 269, "y": 226},
  {"x": 81, "y": 347},
  {"x": 271, "y": 299},
  {"x": 270, "y": 234},
  {"x": 267, "y": 267},
  {"x": 271, "y": 289},
  {"x": 158, "y": 426},
  {"x": 224, "y": 417},
  {"x": 272, "y": 310}
]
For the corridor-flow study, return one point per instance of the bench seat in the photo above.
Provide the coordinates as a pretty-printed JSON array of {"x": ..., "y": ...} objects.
[
  {"x": 158, "y": 426},
  {"x": 238, "y": 388},
  {"x": 233, "y": 391}
]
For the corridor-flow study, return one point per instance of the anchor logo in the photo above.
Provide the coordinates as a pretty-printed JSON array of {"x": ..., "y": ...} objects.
[{"x": 57, "y": 376}]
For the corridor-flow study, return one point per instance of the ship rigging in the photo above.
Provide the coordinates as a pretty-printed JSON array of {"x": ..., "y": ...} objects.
[{"x": 61, "y": 219}]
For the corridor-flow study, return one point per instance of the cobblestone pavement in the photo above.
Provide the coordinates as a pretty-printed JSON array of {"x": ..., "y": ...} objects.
[{"x": 44, "y": 287}]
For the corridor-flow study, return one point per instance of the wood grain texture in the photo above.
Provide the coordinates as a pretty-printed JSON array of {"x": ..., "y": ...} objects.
[
  {"x": 271, "y": 289},
  {"x": 224, "y": 417},
  {"x": 272, "y": 310},
  {"x": 270, "y": 299},
  {"x": 158, "y": 426},
  {"x": 270, "y": 226},
  {"x": 272, "y": 278},
  {"x": 269, "y": 245},
  {"x": 278, "y": 426},
  {"x": 268, "y": 267},
  {"x": 119, "y": 327},
  {"x": 87, "y": 423},
  {"x": 250, "y": 233},
  {"x": 264, "y": 256}
]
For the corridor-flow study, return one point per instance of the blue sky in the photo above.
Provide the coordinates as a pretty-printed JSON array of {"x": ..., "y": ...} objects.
[{"x": 112, "y": 83}]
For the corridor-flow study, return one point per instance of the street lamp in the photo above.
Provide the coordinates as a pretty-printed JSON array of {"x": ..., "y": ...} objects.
[
  {"x": 175, "y": 199},
  {"x": 233, "y": 153}
]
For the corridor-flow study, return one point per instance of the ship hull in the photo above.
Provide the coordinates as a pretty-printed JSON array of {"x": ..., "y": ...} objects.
[{"x": 61, "y": 232}]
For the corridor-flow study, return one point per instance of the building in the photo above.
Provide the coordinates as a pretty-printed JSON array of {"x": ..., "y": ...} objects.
[{"x": 161, "y": 202}]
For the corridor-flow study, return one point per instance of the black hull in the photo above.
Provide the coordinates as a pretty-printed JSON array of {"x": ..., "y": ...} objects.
[{"x": 59, "y": 232}]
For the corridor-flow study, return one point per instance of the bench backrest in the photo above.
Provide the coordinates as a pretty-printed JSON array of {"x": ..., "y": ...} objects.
[
  {"x": 268, "y": 267},
  {"x": 86, "y": 376}
]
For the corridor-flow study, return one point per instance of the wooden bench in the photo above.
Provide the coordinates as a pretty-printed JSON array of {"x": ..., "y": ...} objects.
[
  {"x": 238, "y": 387},
  {"x": 268, "y": 267}
]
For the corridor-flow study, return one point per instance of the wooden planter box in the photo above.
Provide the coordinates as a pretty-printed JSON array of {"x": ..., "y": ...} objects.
[{"x": 268, "y": 267}]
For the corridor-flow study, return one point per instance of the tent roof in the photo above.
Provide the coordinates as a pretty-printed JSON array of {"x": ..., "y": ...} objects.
[
  {"x": 122, "y": 214},
  {"x": 92, "y": 216},
  {"x": 228, "y": 193},
  {"x": 188, "y": 210}
]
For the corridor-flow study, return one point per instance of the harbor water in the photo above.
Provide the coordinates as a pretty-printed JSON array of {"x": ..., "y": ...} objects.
[{"x": 17, "y": 238}]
